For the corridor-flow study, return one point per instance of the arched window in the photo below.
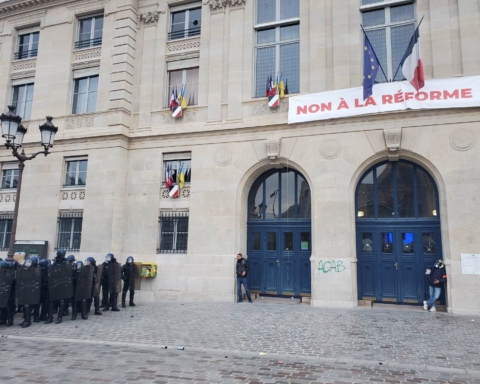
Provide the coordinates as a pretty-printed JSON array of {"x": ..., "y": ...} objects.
[
  {"x": 396, "y": 190},
  {"x": 279, "y": 194}
]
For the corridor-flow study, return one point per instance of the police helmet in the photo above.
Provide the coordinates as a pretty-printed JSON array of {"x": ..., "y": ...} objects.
[
  {"x": 438, "y": 264},
  {"x": 34, "y": 260},
  {"x": 10, "y": 264},
  {"x": 90, "y": 261},
  {"x": 61, "y": 254},
  {"x": 129, "y": 259},
  {"x": 70, "y": 259},
  {"x": 44, "y": 263},
  {"x": 3, "y": 264},
  {"x": 78, "y": 264},
  {"x": 109, "y": 258},
  {"x": 1, "y": 259}
]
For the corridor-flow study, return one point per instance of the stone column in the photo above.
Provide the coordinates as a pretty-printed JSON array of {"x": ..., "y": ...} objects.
[
  {"x": 123, "y": 64},
  {"x": 317, "y": 43},
  {"x": 470, "y": 37}
]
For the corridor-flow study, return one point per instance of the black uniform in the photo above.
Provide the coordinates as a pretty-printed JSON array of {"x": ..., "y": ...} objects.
[
  {"x": 7, "y": 312},
  {"x": 28, "y": 287},
  {"x": 128, "y": 281},
  {"x": 59, "y": 260},
  {"x": 109, "y": 283},
  {"x": 95, "y": 287}
]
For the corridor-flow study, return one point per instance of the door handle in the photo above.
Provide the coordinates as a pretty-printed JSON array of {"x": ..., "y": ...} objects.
[
  {"x": 395, "y": 265},
  {"x": 278, "y": 262}
]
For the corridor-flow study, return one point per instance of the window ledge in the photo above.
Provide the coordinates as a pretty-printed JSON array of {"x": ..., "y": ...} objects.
[
  {"x": 24, "y": 59},
  {"x": 69, "y": 187},
  {"x": 384, "y": 4},
  {"x": 276, "y": 23}
]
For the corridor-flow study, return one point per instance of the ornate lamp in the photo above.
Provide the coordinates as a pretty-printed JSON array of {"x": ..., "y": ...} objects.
[
  {"x": 48, "y": 131},
  {"x": 10, "y": 122}
]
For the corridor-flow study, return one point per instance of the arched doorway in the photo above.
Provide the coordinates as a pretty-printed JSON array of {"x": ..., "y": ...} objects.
[
  {"x": 398, "y": 232},
  {"x": 279, "y": 240}
]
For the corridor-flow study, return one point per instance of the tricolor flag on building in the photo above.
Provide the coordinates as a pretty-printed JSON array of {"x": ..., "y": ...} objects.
[
  {"x": 174, "y": 192},
  {"x": 411, "y": 63},
  {"x": 173, "y": 102},
  {"x": 168, "y": 176}
]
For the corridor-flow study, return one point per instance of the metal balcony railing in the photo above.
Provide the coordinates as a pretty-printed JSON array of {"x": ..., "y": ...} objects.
[
  {"x": 88, "y": 43},
  {"x": 185, "y": 33},
  {"x": 25, "y": 54}
]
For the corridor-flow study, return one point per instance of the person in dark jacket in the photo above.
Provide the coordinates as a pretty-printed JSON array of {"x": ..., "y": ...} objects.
[
  {"x": 438, "y": 277},
  {"x": 242, "y": 270}
]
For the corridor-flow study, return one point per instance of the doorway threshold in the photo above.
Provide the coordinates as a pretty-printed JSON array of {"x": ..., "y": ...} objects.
[
  {"x": 257, "y": 299},
  {"x": 405, "y": 307}
]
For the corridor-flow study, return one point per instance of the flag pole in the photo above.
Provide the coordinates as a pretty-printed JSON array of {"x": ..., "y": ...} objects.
[
  {"x": 365, "y": 34},
  {"x": 416, "y": 29}
]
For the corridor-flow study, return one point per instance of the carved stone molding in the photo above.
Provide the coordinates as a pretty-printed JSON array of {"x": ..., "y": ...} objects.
[
  {"x": 393, "y": 140},
  {"x": 88, "y": 55},
  {"x": 184, "y": 193},
  {"x": 188, "y": 117},
  {"x": 73, "y": 195},
  {"x": 273, "y": 149},
  {"x": 330, "y": 149},
  {"x": 216, "y": 5},
  {"x": 79, "y": 122},
  {"x": 462, "y": 140},
  {"x": 8, "y": 197},
  {"x": 223, "y": 156},
  {"x": 184, "y": 46},
  {"x": 25, "y": 65},
  {"x": 264, "y": 109},
  {"x": 150, "y": 17}
]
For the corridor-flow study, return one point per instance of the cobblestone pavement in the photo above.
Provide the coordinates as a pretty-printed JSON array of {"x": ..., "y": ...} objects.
[{"x": 227, "y": 343}]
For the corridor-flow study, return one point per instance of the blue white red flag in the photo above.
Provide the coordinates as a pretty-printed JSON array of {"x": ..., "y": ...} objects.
[{"x": 411, "y": 63}]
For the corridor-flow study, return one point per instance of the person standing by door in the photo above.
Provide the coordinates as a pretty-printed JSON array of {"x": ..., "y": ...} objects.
[
  {"x": 438, "y": 276},
  {"x": 242, "y": 270}
]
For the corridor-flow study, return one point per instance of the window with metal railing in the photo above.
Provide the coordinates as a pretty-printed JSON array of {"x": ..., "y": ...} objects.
[
  {"x": 27, "y": 46},
  {"x": 90, "y": 32},
  {"x": 69, "y": 231},
  {"x": 5, "y": 230},
  {"x": 185, "y": 23},
  {"x": 173, "y": 228}
]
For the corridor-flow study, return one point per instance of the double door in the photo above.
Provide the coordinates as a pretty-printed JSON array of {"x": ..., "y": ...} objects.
[
  {"x": 280, "y": 260},
  {"x": 392, "y": 262}
]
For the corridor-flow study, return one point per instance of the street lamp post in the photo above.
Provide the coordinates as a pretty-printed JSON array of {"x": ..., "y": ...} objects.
[{"x": 13, "y": 132}]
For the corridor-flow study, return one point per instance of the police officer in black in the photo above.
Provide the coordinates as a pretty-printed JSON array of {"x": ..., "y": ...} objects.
[
  {"x": 58, "y": 260},
  {"x": 107, "y": 281},
  {"x": 78, "y": 305},
  {"x": 128, "y": 284},
  {"x": 8, "y": 312},
  {"x": 95, "y": 294},
  {"x": 32, "y": 262},
  {"x": 44, "y": 264}
]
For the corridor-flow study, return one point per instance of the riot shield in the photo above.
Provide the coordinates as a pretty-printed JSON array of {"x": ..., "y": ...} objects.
[
  {"x": 98, "y": 281},
  {"x": 83, "y": 289},
  {"x": 136, "y": 279},
  {"x": 6, "y": 281},
  {"x": 27, "y": 285},
  {"x": 114, "y": 278},
  {"x": 60, "y": 284}
]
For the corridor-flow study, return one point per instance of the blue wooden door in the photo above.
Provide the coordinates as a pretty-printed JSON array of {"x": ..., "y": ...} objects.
[
  {"x": 392, "y": 262},
  {"x": 280, "y": 260}
]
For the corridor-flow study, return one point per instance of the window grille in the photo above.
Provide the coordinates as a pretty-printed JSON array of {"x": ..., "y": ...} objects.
[
  {"x": 5, "y": 231},
  {"x": 173, "y": 232},
  {"x": 70, "y": 231}
]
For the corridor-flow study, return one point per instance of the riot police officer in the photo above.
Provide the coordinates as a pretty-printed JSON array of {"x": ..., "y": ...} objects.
[
  {"x": 77, "y": 288},
  {"x": 62, "y": 292},
  {"x": 7, "y": 292},
  {"x": 43, "y": 265},
  {"x": 28, "y": 290},
  {"x": 97, "y": 275},
  {"x": 129, "y": 271},
  {"x": 110, "y": 283}
]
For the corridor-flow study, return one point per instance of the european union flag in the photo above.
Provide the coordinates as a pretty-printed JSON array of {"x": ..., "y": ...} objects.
[{"x": 370, "y": 68}]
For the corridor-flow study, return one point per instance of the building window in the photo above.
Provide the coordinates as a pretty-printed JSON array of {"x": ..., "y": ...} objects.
[
  {"x": 70, "y": 231},
  {"x": 189, "y": 77},
  {"x": 9, "y": 178},
  {"x": 27, "y": 46},
  {"x": 90, "y": 32},
  {"x": 173, "y": 232},
  {"x": 186, "y": 23},
  {"x": 174, "y": 166},
  {"x": 389, "y": 29},
  {"x": 277, "y": 44},
  {"x": 85, "y": 95},
  {"x": 76, "y": 172},
  {"x": 5, "y": 230},
  {"x": 22, "y": 100}
]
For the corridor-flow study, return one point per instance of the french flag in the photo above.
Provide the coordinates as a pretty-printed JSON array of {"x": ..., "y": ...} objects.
[{"x": 411, "y": 63}]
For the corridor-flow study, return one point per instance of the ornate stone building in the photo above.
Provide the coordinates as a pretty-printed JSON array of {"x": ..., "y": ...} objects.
[{"x": 330, "y": 210}]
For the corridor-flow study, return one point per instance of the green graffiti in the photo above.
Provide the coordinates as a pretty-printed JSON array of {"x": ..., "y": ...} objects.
[{"x": 331, "y": 266}]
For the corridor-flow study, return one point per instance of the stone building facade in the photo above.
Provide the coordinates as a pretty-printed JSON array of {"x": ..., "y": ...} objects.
[{"x": 105, "y": 70}]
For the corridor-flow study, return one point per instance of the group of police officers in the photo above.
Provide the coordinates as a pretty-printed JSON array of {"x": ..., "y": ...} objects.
[{"x": 44, "y": 288}]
